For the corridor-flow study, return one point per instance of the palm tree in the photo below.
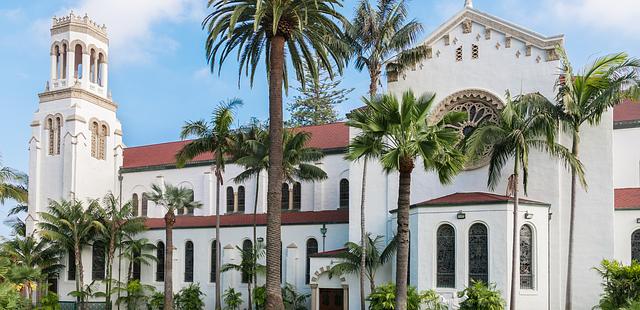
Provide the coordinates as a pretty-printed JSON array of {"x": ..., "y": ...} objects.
[
  {"x": 525, "y": 123},
  {"x": 136, "y": 251},
  {"x": 350, "y": 260},
  {"x": 170, "y": 198},
  {"x": 304, "y": 30},
  {"x": 72, "y": 225},
  {"x": 13, "y": 185},
  {"x": 117, "y": 221},
  {"x": 215, "y": 138},
  {"x": 248, "y": 266},
  {"x": 582, "y": 99},
  {"x": 402, "y": 135},
  {"x": 18, "y": 226}
]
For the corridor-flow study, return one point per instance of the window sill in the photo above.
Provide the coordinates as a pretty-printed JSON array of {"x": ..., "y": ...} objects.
[{"x": 528, "y": 292}]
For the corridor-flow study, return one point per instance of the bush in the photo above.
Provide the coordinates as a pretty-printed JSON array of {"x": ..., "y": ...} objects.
[
  {"x": 49, "y": 302},
  {"x": 190, "y": 298},
  {"x": 621, "y": 284},
  {"x": 384, "y": 298},
  {"x": 156, "y": 301},
  {"x": 479, "y": 296},
  {"x": 232, "y": 299},
  {"x": 260, "y": 297}
]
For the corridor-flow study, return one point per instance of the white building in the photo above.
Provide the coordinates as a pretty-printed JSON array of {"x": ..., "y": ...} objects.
[{"x": 458, "y": 232}]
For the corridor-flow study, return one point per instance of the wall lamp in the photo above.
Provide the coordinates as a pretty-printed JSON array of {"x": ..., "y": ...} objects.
[
  {"x": 461, "y": 215},
  {"x": 260, "y": 239},
  {"x": 528, "y": 215}
]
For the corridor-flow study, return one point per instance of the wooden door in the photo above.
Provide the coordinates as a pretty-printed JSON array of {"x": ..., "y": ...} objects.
[{"x": 331, "y": 299}]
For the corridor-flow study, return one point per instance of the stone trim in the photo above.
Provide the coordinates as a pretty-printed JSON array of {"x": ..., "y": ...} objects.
[
  {"x": 35, "y": 124},
  {"x": 76, "y": 117},
  {"x": 79, "y": 24},
  {"x": 117, "y": 132},
  {"x": 79, "y": 93}
]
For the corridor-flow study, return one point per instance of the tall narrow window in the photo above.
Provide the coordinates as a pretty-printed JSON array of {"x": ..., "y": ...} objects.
[
  {"x": 145, "y": 204},
  {"x": 247, "y": 247},
  {"x": 135, "y": 272},
  {"x": 312, "y": 248},
  {"x": 77, "y": 66},
  {"x": 92, "y": 66},
  {"x": 134, "y": 204},
  {"x": 102, "y": 142},
  {"x": 98, "y": 261},
  {"x": 474, "y": 51},
  {"x": 56, "y": 52},
  {"x": 526, "y": 257},
  {"x": 241, "y": 199},
  {"x": 52, "y": 134},
  {"x": 635, "y": 245},
  {"x": 100, "y": 73},
  {"x": 446, "y": 259},
  {"x": 64, "y": 61},
  {"x": 160, "y": 261},
  {"x": 478, "y": 253},
  {"x": 230, "y": 199},
  {"x": 284, "y": 201},
  {"x": 297, "y": 196},
  {"x": 71, "y": 266},
  {"x": 190, "y": 210},
  {"x": 459, "y": 54},
  {"x": 214, "y": 258},
  {"x": 57, "y": 125},
  {"x": 188, "y": 262},
  {"x": 344, "y": 193},
  {"x": 94, "y": 139}
]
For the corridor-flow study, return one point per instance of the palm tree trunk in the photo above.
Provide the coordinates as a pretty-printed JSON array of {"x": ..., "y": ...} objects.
[
  {"x": 112, "y": 250},
  {"x": 218, "y": 249},
  {"x": 255, "y": 220},
  {"x": 249, "y": 296},
  {"x": 515, "y": 255},
  {"x": 574, "y": 151},
  {"x": 363, "y": 236},
  {"x": 374, "y": 79},
  {"x": 169, "y": 220},
  {"x": 119, "y": 269},
  {"x": 274, "y": 184},
  {"x": 79, "y": 275},
  {"x": 402, "y": 256}
]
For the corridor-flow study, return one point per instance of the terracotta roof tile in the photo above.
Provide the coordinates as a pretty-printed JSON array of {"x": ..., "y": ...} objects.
[
  {"x": 471, "y": 198},
  {"x": 235, "y": 220},
  {"x": 332, "y": 253},
  {"x": 627, "y": 198},
  {"x": 627, "y": 111},
  {"x": 326, "y": 137}
]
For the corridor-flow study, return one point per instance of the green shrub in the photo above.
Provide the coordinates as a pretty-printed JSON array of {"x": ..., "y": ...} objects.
[
  {"x": 156, "y": 301},
  {"x": 479, "y": 296},
  {"x": 384, "y": 298},
  {"x": 260, "y": 297},
  {"x": 621, "y": 284},
  {"x": 49, "y": 302},
  {"x": 232, "y": 299},
  {"x": 190, "y": 298}
]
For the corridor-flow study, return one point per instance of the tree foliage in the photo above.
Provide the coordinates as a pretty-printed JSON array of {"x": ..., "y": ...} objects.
[{"x": 480, "y": 296}]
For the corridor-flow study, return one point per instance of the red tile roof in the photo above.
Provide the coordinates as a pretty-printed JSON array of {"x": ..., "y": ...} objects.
[
  {"x": 627, "y": 198},
  {"x": 627, "y": 111},
  {"x": 326, "y": 137},
  {"x": 471, "y": 198},
  {"x": 236, "y": 220},
  {"x": 332, "y": 253}
]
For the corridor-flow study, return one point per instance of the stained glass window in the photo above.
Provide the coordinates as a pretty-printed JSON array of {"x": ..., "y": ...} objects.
[
  {"x": 635, "y": 245},
  {"x": 297, "y": 196},
  {"x": 98, "y": 261},
  {"x": 344, "y": 193},
  {"x": 247, "y": 246},
  {"x": 71, "y": 266},
  {"x": 160, "y": 262},
  {"x": 478, "y": 253},
  {"x": 145, "y": 204},
  {"x": 241, "y": 204},
  {"x": 284, "y": 201},
  {"x": 136, "y": 265},
  {"x": 188, "y": 262},
  {"x": 214, "y": 258},
  {"x": 230, "y": 200},
  {"x": 446, "y": 257},
  {"x": 526, "y": 257},
  {"x": 312, "y": 248},
  {"x": 134, "y": 204}
]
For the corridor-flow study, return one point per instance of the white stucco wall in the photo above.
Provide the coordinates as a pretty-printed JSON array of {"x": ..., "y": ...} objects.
[{"x": 626, "y": 157}]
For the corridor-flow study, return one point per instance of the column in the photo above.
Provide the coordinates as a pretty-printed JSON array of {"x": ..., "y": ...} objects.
[
  {"x": 345, "y": 296},
  {"x": 71, "y": 61},
  {"x": 54, "y": 68},
  {"x": 314, "y": 296},
  {"x": 105, "y": 77},
  {"x": 86, "y": 63},
  {"x": 235, "y": 201},
  {"x": 290, "y": 197}
]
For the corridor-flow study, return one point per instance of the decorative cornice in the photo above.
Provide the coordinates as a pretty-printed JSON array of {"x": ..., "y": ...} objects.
[
  {"x": 118, "y": 132},
  {"x": 74, "y": 92},
  {"x": 35, "y": 124},
  {"x": 79, "y": 24}
]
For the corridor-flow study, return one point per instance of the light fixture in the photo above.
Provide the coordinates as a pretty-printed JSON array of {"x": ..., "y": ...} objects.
[
  {"x": 528, "y": 215},
  {"x": 461, "y": 215},
  {"x": 323, "y": 231},
  {"x": 638, "y": 220},
  {"x": 260, "y": 239}
]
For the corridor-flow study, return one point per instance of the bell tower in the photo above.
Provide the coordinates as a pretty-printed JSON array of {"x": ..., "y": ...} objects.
[{"x": 75, "y": 149}]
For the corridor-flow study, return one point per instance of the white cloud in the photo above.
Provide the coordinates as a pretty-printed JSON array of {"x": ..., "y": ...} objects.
[{"x": 617, "y": 15}]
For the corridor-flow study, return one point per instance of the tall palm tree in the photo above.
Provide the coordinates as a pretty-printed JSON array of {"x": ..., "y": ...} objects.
[
  {"x": 12, "y": 185},
  {"x": 117, "y": 221},
  {"x": 249, "y": 267},
  {"x": 350, "y": 260},
  {"x": 18, "y": 226},
  {"x": 403, "y": 135},
  {"x": 583, "y": 98},
  {"x": 307, "y": 32},
  {"x": 216, "y": 138},
  {"x": 171, "y": 198},
  {"x": 526, "y": 123},
  {"x": 72, "y": 225}
]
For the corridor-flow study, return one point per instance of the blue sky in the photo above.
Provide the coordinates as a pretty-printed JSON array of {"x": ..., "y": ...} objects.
[{"x": 159, "y": 75}]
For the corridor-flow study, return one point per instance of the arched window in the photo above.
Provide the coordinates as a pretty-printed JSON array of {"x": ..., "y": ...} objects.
[
  {"x": 446, "y": 257},
  {"x": 230, "y": 199},
  {"x": 56, "y": 127},
  {"x": 247, "y": 247},
  {"x": 344, "y": 193},
  {"x": 297, "y": 196},
  {"x": 160, "y": 261},
  {"x": 94, "y": 139},
  {"x": 98, "y": 261},
  {"x": 526, "y": 257},
  {"x": 284, "y": 201},
  {"x": 135, "y": 273},
  {"x": 635, "y": 245},
  {"x": 214, "y": 258},
  {"x": 478, "y": 253},
  {"x": 188, "y": 262},
  {"x": 241, "y": 199},
  {"x": 92, "y": 66},
  {"x": 102, "y": 142},
  {"x": 145, "y": 204},
  {"x": 77, "y": 66},
  {"x": 134, "y": 204},
  {"x": 51, "y": 136},
  {"x": 71, "y": 266},
  {"x": 190, "y": 210},
  {"x": 64, "y": 61},
  {"x": 312, "y": 248},
  {"x": 100, "y": 69}
]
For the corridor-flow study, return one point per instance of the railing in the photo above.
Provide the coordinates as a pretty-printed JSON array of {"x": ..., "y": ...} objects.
[{"x": 71, "y": 305}]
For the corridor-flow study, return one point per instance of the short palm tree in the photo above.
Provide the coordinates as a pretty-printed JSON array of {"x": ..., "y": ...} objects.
[
  {"x": 13, "y": 185},
  {"x": 215, "y": 138},
  {"x": 117, "y": 220},
  {"x": 307, "y": 32},
  {"x": 137, "y": 252},
  {"x": 582, "y": 99},
  {"x": 170, "y": 198},
  {"x": 403, "y": 134},
  {"x": 526, "y": 123},
  {"x": 72, "y": 225},
  {"x": 376, "y": 256},
  {"x": 248, "y": 266}
]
